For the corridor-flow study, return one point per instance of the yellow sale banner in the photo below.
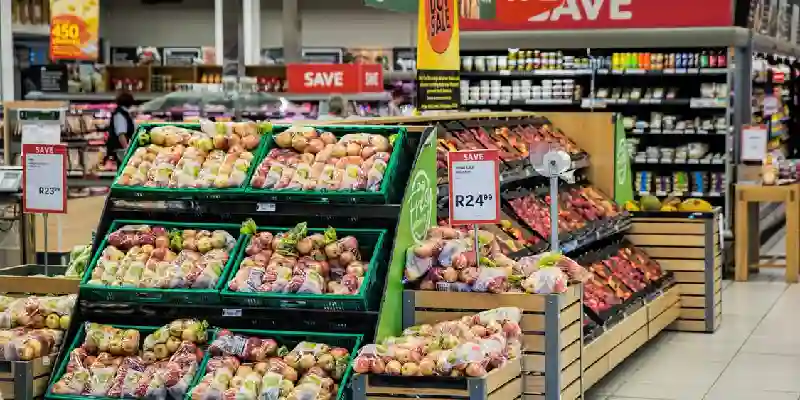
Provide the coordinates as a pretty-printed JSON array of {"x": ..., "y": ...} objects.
[{"x": 74, "y": 29}]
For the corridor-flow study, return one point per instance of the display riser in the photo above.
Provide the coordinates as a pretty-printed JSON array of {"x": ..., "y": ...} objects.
[
  {"x": 616, "y": 344},
  {"x": 503, "y": 383},
  {"x": 688, "y": 244},
  {"x": 551, "y": 326},
  {"x": 25, "y": 380}
]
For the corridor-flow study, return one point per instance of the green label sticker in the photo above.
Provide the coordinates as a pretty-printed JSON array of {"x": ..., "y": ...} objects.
[{"x": 623, "y": 188}]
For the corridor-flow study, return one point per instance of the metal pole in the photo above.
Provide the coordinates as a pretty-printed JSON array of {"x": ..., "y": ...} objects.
[
  {"x": 46, "y": 262},
  {"x": 553, "y": 212},
  {"x": 477, "y": 254}
]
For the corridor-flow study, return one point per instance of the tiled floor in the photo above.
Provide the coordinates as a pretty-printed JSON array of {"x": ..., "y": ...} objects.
[{"x": 755, "y": 355}]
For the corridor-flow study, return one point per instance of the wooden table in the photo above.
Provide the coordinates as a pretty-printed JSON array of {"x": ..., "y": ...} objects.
[{"x": 746, "y": 234}]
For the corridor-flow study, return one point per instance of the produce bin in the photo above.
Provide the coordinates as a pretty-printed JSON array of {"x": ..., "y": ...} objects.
[
  {"x": 551, "y": 326},
  {"x": 688, "y": 244},
  {"x": 31, "y": 278},
  {"x": 503, "y": 383},
  {"x": 178, "y": 193},
  {"x": 371, "y": 245},
  {"x": 25, "y": 380},
  {"x": 351, "y": 342},
  {"x": 383, "y": 196},
  {"x": 148, "y": 295},
  {"x": 77, "y": 342}
]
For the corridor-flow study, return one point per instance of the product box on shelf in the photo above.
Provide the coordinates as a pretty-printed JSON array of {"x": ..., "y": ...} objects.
[
  {"x": 176, "y": 160},
  {"x": 501, "y": 383},
  {"x": 551, "y": 325},
  {"x": 120, "y": 276},
  {"x": 363, "y": 155},
  {"x": 369, "y": 253},
  {"x": 688, "y": 244}
]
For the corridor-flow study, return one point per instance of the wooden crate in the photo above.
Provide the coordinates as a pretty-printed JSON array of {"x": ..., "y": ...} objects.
[
  {"x": 22, "y": 279},
  {"x": 551, "y": 326},
  {"x": 688, "y": 244},
  {"x": 503, "y": 383},
  {"x": 25, "y": 380},
  {"x": 641, "y": 324}
]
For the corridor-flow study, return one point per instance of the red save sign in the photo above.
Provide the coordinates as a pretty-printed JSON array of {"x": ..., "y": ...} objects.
[
  {"x": 334, "y": 78},
  {"x": 603, "y": 14}
]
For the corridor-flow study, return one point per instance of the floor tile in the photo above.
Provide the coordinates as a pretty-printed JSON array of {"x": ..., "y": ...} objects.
[
  {"x": 721, "y": 393},
  {"x": 666, "y": 391},
  {"x": 762, "y": 372}
]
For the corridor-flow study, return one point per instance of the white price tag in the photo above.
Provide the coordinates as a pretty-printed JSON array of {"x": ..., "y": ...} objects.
[
  {"x": 754, "y": 143},
  {"x": 41, "y": 133},
  {"x": 474, "y": 187},
  {"x": 44, "y": 178},
  {"x": 265, "y": 207},
  {"x": 771, "y": 105},
  {"x": 231, "y": 312}
]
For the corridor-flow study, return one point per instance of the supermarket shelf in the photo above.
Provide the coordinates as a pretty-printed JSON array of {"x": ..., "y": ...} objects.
[
  {"x": 688, "y": 132},
  {"x": 682, "y": 161},
  {"x": 288, "y": 318},
  {"x": 30, "y": 30},
  {"x": 528, "y": 102},
  {"x": 145, "y": 96},
  {"x": 681, "y": 194},
  {"x": 588, "y": 72},
  {"x": 81, "y": 181}
]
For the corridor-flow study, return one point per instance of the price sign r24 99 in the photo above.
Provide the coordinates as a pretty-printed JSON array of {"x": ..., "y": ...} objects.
[{"x": 474, "y": 187}]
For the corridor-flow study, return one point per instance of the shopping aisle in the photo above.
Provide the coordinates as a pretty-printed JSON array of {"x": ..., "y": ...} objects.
[{"x": 755, "y": 355}]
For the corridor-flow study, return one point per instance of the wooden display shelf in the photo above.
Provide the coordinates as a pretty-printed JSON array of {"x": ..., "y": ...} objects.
[
  {"x": 551, "y": 326},
  {"x": 620, "y": 341},
  {"x": 688, "y": 244},
  {"x": 25, "y": 380},
  {"x": 746, "y": 232},
  {"x": 20, "y": 280},
  {"x": 503, "y": 383}
]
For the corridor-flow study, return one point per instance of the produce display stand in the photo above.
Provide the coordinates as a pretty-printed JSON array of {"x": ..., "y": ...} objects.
[
  {"x": 551, "y": 325},
  {"x": 747, "y": 250},
  {"x": 688, "y": 244}
]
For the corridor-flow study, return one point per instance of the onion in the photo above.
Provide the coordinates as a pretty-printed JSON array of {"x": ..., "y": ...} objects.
[
  {"x": 283, "y": 139},
  {"x": 333, "y": 251},
  {"x": 300, "y": 143},
  {"x": 346, "y": 257},
  {"x": 315, "y": 146},
  {"x": 353, "y": 149},
  {"x": 349, "y": 243},
  {"x": 305, "y": 245},
  {"x": 328, "y": 138}
]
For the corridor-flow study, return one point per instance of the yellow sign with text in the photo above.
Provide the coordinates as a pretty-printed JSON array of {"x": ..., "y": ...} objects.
[
  {"x": 74, "y": 29},
  {"x": 437, "y": 35},
  {"x": 438, "y": 60}
]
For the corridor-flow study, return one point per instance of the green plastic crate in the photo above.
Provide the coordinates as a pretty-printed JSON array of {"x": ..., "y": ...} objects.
[
  {"x": 367, "y": 238},
  {"x": 351, "y": 342},
  {"x": 382, "y": 196},
  {"x": 178, "y": 193},
  {"x": 149, "y": 295},
  {"x": 77, "y": 342}
]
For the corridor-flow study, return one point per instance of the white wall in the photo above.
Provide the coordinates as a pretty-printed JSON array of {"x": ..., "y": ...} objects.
[{"x": 326, "y": 23}]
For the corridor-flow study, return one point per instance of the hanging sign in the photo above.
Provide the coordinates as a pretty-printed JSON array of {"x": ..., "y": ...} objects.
[
  {"x": 74, "y": 29},
  {"x": 44, "y": 178},
  {"x": 511, "y": 15},
  {"x": 438, "y": 62},
  {"x": 334, "y": 78},
  {"x": 474, "y": 187}
]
